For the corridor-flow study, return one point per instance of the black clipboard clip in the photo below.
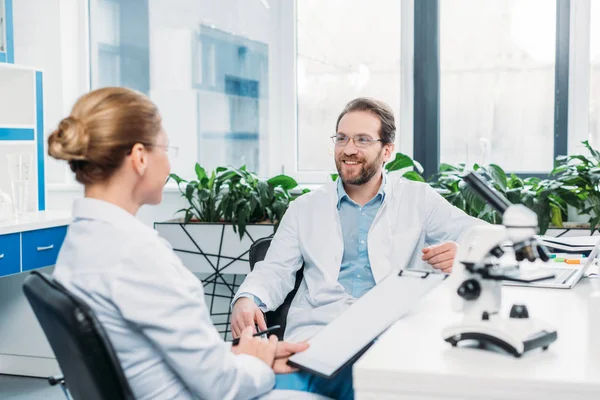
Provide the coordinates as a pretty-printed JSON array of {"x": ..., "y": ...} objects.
[{"x": 419, "y": 273}]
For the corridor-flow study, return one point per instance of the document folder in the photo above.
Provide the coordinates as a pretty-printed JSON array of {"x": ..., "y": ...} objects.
[{"x": 348, "y": 336}]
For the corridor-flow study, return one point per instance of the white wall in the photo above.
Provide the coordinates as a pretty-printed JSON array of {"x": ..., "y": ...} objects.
[{"x": 37, "y": 42}]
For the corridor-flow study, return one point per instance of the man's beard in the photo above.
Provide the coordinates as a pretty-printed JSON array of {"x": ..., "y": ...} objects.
[{"x": 367, "y": 169}]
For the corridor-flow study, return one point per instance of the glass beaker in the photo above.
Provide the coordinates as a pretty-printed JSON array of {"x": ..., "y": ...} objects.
[{"x": 19, "y": 171}]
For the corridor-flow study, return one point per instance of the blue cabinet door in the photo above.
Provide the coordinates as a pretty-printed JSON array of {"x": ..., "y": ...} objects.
[
  {"x": 40, "y": 248},
  {"x": 10, "y": 254}
]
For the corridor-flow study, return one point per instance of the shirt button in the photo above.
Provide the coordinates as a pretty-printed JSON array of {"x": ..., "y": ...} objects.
[
  {"x": 358, "y": 276},
  {"x": 362, "y": 242}
]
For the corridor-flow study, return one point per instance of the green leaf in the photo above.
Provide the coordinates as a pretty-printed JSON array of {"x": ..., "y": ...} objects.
[
  {"x": 498, "y": 176},
  {"x": 594, "y": 152},
  {"x": 581, "y": 158},
  {"x": 401, "y": 161},
  {"x": 188, "y": 216},
  {"x": 594, "y": 221},
  {"x": 447, "y": 167},
  {"x": 176, "y": 178},
  {"x": 189, "y": 190},
  {"x": 443, "y": 192},
  {"x": 211, "y": 181},
  {"x": 413, "y": 176},
  {"x": 284, "y": 181},
  {"x": 556, "y": 216},
  {"x": 472, "y": 199},
  {"x": 200, "y": 172},
  {"x": 418, "y": 166}
]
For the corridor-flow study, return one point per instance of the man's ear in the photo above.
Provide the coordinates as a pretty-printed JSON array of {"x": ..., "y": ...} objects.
[
  {"x": 139, "y": 158},
  {"x": 388, "y": 150}
]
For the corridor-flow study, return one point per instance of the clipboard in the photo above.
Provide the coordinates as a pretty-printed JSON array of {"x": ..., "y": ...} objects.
[{"x": 350, "y": 335}]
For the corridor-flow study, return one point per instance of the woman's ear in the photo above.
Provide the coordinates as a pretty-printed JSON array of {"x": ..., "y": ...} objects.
[{"x": 139, "y": 158}]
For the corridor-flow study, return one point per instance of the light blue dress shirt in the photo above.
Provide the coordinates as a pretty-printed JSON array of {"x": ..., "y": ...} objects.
[{"x": 355, "y": 273}]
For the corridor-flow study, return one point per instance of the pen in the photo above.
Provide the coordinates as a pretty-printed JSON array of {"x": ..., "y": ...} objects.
[
  {"x": 235, "y": 342},
  {"x": 573, "y": 261}
]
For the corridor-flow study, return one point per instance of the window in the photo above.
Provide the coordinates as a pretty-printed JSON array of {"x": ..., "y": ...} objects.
[
  {"x": 345, "y": 49},
  {"x": 205, "y": 65},
  {"x": 594, "y": 117},
  {"x": 497, "y": 75}
]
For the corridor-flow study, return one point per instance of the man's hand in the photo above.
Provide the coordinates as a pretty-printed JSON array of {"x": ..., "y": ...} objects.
[
  {"x": 284, "y": 351},
  {"x": 246, "y": 313},
  {"x": 441, "y": 256}
]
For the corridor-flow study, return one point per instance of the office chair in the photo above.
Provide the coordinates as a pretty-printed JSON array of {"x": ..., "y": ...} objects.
[
  {"x": 82, "y": 348},
  {"x": 258, "y": 251},
  {"x": 84, "y": 353}
]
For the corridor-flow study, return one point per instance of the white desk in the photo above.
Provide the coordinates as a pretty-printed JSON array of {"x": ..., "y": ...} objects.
[{"x": 412, "y": 361}]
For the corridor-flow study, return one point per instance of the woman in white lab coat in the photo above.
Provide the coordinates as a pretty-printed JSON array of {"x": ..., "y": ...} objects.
[{"x": 151, "y": 306}]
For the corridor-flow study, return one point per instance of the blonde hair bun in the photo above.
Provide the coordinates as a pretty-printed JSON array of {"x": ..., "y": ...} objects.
[
  {"x": 102, "y": 127},
  {"x": 69, "y": 141}
]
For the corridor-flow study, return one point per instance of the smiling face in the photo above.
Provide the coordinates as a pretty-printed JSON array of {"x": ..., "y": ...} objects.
[{"x": 357, "y": 165}]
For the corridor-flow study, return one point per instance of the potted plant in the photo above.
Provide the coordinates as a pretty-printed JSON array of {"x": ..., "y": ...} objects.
[
  {"x": 227, "y": 210},
  {"x": 580, "y": 178},
  {"x": 540, "y": 195}
]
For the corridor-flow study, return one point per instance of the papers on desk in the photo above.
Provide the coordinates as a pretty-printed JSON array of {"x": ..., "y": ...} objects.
[
  {"x": 345, "y": 339},
  {"x": 572, "y": 244}
]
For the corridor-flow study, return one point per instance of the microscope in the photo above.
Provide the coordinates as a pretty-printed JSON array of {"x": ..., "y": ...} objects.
[{"x": 477, "y": 279}]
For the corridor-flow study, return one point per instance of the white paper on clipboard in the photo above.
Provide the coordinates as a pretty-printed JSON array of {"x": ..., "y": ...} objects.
[{"x": 345, "y": 338}]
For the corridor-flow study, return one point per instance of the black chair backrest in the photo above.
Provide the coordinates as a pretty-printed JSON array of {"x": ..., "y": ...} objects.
[
  {"x": 258, "y": 251},
  {"x": 86, "y": 357}
]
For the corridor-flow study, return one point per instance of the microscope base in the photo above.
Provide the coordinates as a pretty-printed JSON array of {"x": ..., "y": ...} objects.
[{"x": 514, "y": 336}]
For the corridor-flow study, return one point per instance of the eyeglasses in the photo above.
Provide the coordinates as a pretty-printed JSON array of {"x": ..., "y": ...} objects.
[
  {"x": 360, "y": 141},
  {"x": 172, "y": 151}
]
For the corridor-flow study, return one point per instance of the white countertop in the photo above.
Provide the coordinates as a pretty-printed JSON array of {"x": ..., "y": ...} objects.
[
  {"x": 35, "y": 220},
  {"x": 412, "y": 361}
]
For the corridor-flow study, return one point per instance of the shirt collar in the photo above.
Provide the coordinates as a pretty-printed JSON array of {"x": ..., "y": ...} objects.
[
  {"x": 341, "y": 192},
  {"x": 99, "y": 210}
]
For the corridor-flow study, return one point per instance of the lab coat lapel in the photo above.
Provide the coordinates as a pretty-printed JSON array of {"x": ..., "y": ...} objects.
[
  {"x": 380, "y": 236},
  {"x": 326, "y": 235},
  {"x": 394, "y": 234}
]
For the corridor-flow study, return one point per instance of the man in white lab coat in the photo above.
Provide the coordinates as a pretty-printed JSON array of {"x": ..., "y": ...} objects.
[{"x": 349, "y": 235}]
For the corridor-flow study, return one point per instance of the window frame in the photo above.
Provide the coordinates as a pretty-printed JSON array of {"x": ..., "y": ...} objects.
[
  {"x": 572, "y": 80},
  {"x": 427, "y": 88},
  {"x": 283, "y": 155}
]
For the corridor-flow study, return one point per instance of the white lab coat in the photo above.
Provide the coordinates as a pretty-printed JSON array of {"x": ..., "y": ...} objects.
[
  {"x": 412, "y": 216},
  {"x": 152, "y": 309}
]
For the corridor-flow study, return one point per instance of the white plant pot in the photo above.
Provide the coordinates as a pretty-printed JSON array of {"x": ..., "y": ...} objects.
[{"x": 215, "y": 253}]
